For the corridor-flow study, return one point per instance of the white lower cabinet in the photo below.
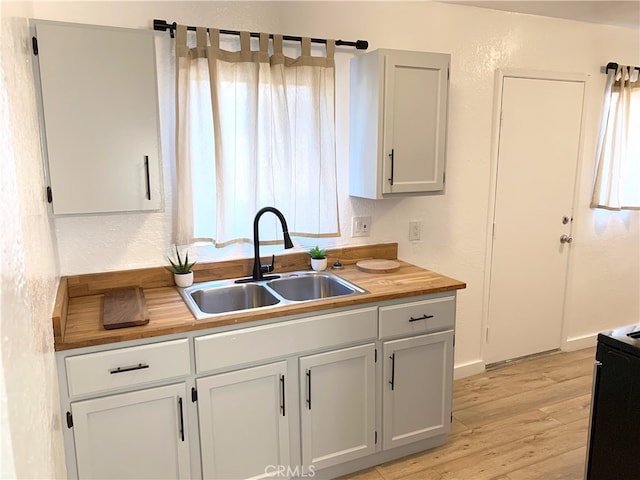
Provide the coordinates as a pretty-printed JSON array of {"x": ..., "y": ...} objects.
[
  {"x": 142, "y": 434},
  {"x": 338, "y": 406},
  {"x": 297, "y": 398},
  {"x": 244, "y": 427},
  {"x": 417, "y": 385}
]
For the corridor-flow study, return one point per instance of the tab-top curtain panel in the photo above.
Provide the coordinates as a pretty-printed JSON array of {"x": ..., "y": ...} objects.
[
  {"x": 617, "y": 182},
  {"x": 254, "y": 129}
]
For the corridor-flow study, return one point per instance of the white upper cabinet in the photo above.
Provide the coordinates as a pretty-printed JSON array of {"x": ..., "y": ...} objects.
[
  {"x": 99, "y": 117},
  {"x": 398, "y": 118}
]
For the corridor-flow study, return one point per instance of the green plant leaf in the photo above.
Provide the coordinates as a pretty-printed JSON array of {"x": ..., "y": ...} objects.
[
  {"x": 318, "y": 253},
  {"x": 181, "y": 266}
]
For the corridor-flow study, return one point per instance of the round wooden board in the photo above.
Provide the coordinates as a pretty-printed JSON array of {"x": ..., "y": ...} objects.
[{"x": 378, "y": 266}]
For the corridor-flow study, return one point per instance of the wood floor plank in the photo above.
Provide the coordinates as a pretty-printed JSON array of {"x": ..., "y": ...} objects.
[
  {"x": 472, "y": 442},
  {"x": 571, "y": 369},
  {"x": 570, "y": 410},
  {"x": 421, "y": 475},
  {"x": 486, "y": 390},
  {"x": 551, "y": 362},
  {"x": 457, "y": 427},
  {"x": 513, "y": 403},
  {"x": 567, "y": 466},
  {"x": 369, "y": 474},
  {"x": 517, "y": 455}
]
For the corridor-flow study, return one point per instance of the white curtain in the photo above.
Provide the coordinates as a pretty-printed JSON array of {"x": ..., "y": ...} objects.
[
  {"x": 254, "y": 130},
  {"x": 617, "y": 183}
]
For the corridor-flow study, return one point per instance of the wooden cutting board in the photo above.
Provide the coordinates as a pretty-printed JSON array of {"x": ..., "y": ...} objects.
[
  {"x": 378, "y": 266},
  {"x": 124, "y": 307}
]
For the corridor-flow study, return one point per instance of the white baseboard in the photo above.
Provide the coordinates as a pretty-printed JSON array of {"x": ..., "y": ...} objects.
[
  {"x": 468, "y": 369},
  {"x": 578, "y": 343}
]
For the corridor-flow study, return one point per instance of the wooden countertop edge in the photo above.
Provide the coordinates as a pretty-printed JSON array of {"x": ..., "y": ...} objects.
[
  {"x": 190, "y": 325},
  {"x": 78, "y": 319},
  {"x": 59, "y": 316}
]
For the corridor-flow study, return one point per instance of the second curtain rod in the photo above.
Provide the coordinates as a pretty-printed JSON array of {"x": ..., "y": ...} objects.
[
  {"x": 163, "y": 26},
  {"x": 614, "y": 66}
]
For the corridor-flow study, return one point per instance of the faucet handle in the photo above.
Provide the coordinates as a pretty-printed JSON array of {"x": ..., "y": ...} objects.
[{"x": 269, "y": 268}]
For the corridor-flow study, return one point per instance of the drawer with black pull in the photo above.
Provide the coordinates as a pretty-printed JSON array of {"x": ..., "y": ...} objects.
[
  {"x": 417, "y": 317},
  {"x": 125, "y": 367}
]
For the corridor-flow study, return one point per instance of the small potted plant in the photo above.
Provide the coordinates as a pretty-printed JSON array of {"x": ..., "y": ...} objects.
[
  {"x": 182, "y": 273},
  {"x": 318, "y": 258}
]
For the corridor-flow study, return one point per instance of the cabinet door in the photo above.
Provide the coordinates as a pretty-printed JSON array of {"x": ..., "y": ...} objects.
[
  {"x": 99, "y": 117},
  {"x": 415, "y": 119},
  {"x": 244, "y": 428},
  {"x": 337, "y": 406},
  {"x": 140, "y": 434},
  {"x": 418, "y": 375}
]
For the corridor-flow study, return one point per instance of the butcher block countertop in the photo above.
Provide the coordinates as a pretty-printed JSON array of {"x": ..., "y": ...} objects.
[{"x": 77, "y": 315}]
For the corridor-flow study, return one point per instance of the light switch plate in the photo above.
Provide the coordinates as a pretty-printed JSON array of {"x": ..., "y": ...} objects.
[{"x": 414, "y": 231}]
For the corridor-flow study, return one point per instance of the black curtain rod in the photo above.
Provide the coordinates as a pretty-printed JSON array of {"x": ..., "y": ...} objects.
[
  {"x": 163, "y": 26},
  {"x": 614, "y": 66}
]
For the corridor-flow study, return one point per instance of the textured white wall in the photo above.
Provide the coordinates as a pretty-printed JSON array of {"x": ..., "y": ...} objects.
[
  {"x": 29, "y": 407},
  {"x": 605, "y": 264}
]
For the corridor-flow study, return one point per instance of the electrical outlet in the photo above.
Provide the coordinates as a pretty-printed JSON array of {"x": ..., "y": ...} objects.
[
  {"x": 360, "y": 226},
  {"x": 414, "y": 230}
]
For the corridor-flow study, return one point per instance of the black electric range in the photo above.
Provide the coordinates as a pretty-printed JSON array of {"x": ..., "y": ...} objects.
[{"x": 614, "y": 434}]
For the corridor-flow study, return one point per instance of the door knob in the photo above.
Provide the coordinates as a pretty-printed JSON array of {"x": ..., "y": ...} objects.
[{"x": 566, "y": 239}]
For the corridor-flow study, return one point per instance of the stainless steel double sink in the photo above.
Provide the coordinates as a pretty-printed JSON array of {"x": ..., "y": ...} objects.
[{"x": 208, "y": 299}]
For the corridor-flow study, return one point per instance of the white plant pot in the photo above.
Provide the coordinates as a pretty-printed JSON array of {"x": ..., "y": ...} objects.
[
  {"x": 319, "y": 264},
  {"x": 183, "y": 279}
]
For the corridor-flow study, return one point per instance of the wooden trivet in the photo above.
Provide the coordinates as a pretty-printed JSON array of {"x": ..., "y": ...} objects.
[{"x": 378, "y": 266}]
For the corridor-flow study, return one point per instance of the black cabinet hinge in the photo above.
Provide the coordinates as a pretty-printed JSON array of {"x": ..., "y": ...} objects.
[
  {"x": 69, "y": 420},
  {"x": 194, "y": 394},
  {"x": 49, "y": 195},
  {"x": 34, "y": 44}
]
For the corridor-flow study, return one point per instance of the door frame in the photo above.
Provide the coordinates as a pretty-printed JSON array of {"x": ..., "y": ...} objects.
[{"x": 500, "y": 75}]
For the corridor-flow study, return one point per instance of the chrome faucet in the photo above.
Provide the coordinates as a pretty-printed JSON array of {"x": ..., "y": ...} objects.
[{"x": 258, "y": 268}]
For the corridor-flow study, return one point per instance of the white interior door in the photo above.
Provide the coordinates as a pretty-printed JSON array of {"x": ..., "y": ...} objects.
[{"x": 539, "y": 143}]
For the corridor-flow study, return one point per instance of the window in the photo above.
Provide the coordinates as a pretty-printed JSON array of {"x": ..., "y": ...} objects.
[
  {"x": 617, "y": 184},
  {"x": 254, "y": 130}
]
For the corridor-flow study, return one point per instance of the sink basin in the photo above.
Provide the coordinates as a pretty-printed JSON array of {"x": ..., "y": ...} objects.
[
  {"x": 224, "y": 299},
  {"x": 299, "y": 288},
  {"x": 208, "y": 299}
]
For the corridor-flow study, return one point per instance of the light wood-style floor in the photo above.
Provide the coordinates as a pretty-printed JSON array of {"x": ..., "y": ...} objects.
[{"x": 527, "y": 420}]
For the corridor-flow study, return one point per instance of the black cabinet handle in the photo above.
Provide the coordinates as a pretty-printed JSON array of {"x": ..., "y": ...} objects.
[
  {"x": 282, "y": 410},
  {"x": 392, "y": 382},
  {"x": 146, "y": 169},
  {"x": 180, "y": 414},
  {"x": 391, "y": 157},
  {"x": 139, "y": 366},
  {"x": 308, "y": 389},
  {"x": 423, "y": 317}
]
